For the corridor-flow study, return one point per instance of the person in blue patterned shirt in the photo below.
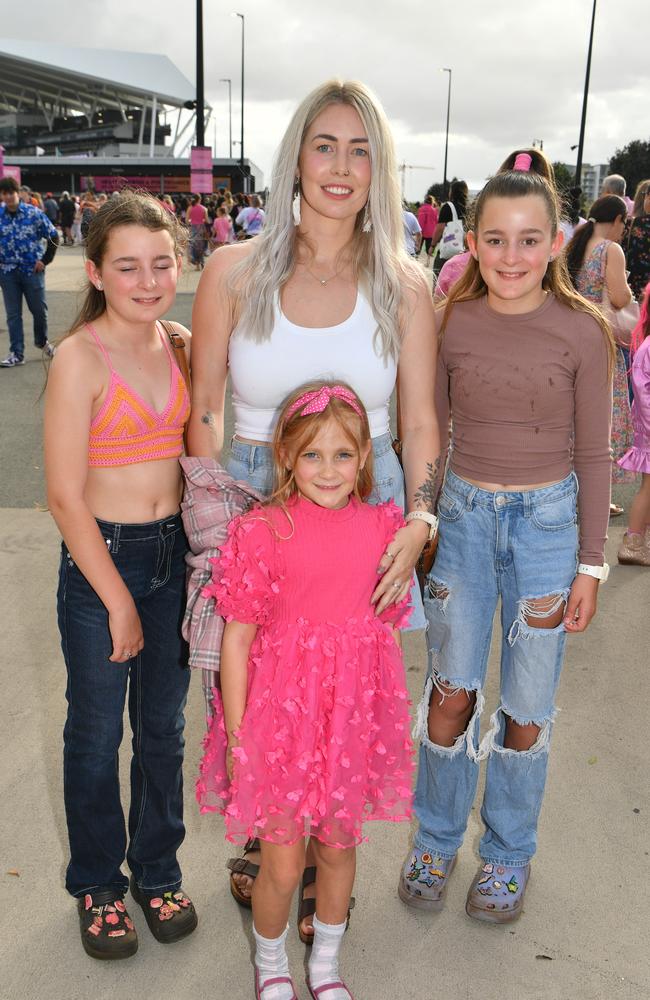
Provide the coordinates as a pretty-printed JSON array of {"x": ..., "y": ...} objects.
[{"x": 28, "y": 242}]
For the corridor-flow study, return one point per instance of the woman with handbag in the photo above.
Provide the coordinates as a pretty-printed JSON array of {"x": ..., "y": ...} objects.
[
  {"x": 325, "y": 291},
  {"x": 596, "y": 264},
  {"x": 448, "y": 236}
]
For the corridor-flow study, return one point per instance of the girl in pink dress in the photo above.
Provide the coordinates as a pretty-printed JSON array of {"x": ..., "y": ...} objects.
[
  {"x": 635, "y": 547},
  {"x": 313, "y": 738}
]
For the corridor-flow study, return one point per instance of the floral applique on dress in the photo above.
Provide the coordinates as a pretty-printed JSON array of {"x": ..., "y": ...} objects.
[{"x": 324, "y": 743}]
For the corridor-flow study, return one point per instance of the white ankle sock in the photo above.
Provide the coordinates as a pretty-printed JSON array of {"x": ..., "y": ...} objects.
[
  {"x": 271, "y": 961},
  {"x": 324, "y": 960}
]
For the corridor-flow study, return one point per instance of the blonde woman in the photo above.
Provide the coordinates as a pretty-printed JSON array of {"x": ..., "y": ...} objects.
[{"x": 325, "y": 291}]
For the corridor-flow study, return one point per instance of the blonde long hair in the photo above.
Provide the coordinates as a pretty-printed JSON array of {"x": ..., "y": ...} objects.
[
  {"x": 379, "y": 257},
  {"x": 471, "y": 285}
]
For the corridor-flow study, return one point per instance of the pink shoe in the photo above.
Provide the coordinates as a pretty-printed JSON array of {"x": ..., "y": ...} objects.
[
  {"x": 271, "y": 982},
  {"x": 634, "y": 550},
  {"x": 320, "y": 990}
]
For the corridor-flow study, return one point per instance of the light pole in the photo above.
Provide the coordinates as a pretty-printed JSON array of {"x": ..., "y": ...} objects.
[
  {"x": 241, "y": 150},
  {"x": 229, "y": 82},
  {"x": 583, "y": 120},
  {"x": 200, "y": 97},
  {"x": 446, "y": 69}
]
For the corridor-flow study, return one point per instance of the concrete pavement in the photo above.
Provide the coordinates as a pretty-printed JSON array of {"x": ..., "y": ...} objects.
[{"x": 584, "y": 933}]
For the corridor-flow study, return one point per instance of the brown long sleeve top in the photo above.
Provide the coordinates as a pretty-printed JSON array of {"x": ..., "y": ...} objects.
[{"x": 530, "y": 401}]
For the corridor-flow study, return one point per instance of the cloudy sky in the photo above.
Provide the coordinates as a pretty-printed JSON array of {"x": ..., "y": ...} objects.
[{"x": 518, "y": 68}]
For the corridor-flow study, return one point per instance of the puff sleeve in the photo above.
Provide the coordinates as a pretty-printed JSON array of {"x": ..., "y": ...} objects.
[{"x": 244, "y": 582}]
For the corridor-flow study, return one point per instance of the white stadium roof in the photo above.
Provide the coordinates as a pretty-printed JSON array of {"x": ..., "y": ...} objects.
[{"x": 45, "y": 72}]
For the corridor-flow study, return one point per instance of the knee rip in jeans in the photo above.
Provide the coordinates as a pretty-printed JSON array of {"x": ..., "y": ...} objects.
[
  {"x": 538, "y": 616},
  {"x": 493, "y": 739},
  {"x": 438, "y": 592},
  {"x": 467, "y": 740}
]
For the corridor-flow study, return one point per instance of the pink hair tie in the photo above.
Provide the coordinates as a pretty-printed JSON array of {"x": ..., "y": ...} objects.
[
  {"x": 317, "y": 401},
  {"x": 523, "y": 161}
]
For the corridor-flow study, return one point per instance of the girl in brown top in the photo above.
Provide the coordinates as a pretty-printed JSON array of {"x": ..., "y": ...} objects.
[{"x": 525, "y": 369}]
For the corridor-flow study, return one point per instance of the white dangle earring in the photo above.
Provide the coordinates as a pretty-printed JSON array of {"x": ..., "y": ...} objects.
[
  {"x": 100, "y": 286},
  {"x": 367, "y": 221},
  {"x": 295, "y": 204}
]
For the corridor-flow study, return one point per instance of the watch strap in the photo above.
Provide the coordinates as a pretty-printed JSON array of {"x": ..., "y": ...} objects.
[
  {"x": 597, "y": 572},
  {"x": 424, "y": 515}
]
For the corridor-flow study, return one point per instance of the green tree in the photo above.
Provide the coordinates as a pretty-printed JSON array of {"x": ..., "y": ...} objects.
[
  {"x": 439, "y": 191},
  {"x": 563, "y": 176},
  {"x": 633, "y": 163}
]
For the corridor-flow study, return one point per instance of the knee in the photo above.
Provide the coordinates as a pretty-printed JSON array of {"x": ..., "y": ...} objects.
[
  {"x": 102, "y": 738},
  {"x": 284, "y": 872},
  {"x": 332, "y": 857},
  {"x": 454, "y": 704},
  {"x": 520, "y": 736}
]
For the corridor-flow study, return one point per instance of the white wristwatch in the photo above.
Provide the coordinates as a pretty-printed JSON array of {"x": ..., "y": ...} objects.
[
  {"x": 598, "y": 572},
  {"x": 424, "y": 515}
]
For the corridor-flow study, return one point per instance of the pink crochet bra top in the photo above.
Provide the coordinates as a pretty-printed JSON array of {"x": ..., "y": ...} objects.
[{"x": 127, "y": 429}]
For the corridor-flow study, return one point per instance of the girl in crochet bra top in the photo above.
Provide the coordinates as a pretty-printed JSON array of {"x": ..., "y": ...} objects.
[{"x": 116, "y": 405}]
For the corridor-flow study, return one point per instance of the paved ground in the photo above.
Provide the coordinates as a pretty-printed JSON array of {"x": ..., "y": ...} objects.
[{"x": 582, "y": 936}]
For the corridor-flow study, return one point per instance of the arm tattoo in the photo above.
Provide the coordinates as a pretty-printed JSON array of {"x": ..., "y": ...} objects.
[
  {"x": 425, "y": 494},
  {"x": 208, "y": 418}
]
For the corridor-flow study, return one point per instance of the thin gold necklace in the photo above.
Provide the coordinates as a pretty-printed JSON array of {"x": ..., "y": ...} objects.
[{"x": 324, "y": 281}]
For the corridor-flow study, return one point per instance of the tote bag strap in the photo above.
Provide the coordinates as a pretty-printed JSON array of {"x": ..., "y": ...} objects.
[{"x": 178, "y": 347}]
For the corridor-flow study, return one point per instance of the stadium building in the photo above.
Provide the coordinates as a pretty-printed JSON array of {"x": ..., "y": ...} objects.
[{"x": 73, "y": 118}]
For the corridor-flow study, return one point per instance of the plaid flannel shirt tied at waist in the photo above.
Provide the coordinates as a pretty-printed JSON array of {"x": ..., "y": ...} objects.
[{"x": 212, "y": 498}]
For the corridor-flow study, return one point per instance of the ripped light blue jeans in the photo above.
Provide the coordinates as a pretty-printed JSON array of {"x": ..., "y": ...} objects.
[
  {"x": 519, "y": 547},
  {"x": 253, "y": 463}
]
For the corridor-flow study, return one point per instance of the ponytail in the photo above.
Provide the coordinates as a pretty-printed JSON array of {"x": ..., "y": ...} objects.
[{"x": 605, "y": 209}]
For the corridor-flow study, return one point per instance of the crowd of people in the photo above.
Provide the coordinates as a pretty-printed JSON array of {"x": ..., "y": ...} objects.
[
  {"x": 304, "y": 536},
  {"x": 72, "y": 215}
]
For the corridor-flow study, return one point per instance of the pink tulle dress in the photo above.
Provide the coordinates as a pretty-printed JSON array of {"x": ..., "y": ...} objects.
[
  {"x": 637, "y": 459},
  {"x": 324, "y": 743}
]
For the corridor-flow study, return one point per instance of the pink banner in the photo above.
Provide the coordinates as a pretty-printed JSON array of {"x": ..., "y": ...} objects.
[
  {"x": 6, "y": 171},
  {"x": 11, "y": 172},
  {"x": 109, "y": 183},
  {"x": 201, "y": 169}
]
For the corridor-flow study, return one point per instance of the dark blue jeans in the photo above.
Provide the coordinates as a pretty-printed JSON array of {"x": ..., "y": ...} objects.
[
  {"x": 16, "y": 285},
  {"x": 151, "y": 560}
]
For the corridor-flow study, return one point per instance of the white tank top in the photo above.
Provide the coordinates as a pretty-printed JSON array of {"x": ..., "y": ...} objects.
[{"x": 263, "y": 375}]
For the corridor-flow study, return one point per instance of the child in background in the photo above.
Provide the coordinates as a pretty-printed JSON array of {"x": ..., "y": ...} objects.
[
  {"x": 222, "y": 228},
  {"x": 314, "y": 737},
  {"x": 635, "y": 547}
]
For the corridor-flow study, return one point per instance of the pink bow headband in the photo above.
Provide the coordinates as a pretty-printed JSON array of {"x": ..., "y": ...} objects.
[
  {"x": 523, "y": 162},
  {"x": 318, "y": 400}
]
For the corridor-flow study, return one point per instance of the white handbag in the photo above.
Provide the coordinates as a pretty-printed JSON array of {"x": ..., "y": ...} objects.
[{"x": 452, "y": 241}]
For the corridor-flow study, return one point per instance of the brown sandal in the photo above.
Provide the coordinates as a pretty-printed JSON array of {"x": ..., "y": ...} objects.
[
  {"x": 307, "y": 907},
  {"x": 240, "y": 866}
]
